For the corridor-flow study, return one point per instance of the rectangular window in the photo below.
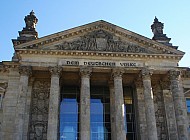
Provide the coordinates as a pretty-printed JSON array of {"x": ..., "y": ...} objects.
[
  {"x": 100, "y": 113},
  {"x": 69, "y": 113},
  {"x": 129, "y": 113},
  {"x": 188, "y": 104}
]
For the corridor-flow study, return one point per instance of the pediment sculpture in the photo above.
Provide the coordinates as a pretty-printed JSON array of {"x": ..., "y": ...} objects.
[{"x": 101, "y": 40}]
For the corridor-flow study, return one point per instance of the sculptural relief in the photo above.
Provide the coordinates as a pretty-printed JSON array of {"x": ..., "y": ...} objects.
[
  {"x": 101, "y": 41},
  {"x": 39, "y": 110},
  {"x": 159, "y": 112}
]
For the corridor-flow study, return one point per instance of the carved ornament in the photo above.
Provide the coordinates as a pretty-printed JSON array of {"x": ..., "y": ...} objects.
[
  {"x": 25, "y": 70},
  {"x": 39, "y": 110},
  {"x": 174, "y": 74},
  {"x": 146, "y": 73},
  {"x": 55, "y": 70},
  {"x": 117, "y": 73},
  {"x": 101, "y": 40},
  {"x": 85, "y": 72}
]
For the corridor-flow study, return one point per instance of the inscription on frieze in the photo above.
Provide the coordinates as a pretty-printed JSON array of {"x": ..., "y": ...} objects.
[
  {"x": 99, "y": 63},
  {"x": 101, "y": 41}
]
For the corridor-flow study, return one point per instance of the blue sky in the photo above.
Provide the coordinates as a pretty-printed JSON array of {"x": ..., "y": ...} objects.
[{"x": 134, "y": 15}]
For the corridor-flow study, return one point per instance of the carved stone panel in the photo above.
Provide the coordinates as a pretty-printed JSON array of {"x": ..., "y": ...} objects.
[
  {"x": 39, "y": 110},
  {"x": 160, "y": 112},
  {"x": 101, "y": 40}
]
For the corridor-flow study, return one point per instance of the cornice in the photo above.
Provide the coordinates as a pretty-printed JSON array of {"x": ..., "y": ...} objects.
[
  {"x": 81, "y": 30},
  {"x": 98, "y": 54},
  {"x": 5, "y": 66}
]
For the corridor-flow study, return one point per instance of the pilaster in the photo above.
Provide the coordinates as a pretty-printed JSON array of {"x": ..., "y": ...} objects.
[
  {"x": 54, "y": 99},
  {"x": 119, "y": 105},
  {"x": 179, "y": 104},
  {"x": 25, "y": 72},
  {"x": 85, "y": 104},
  {"x": 8, "y": 130},
  {"x": 149, "y": 104}
]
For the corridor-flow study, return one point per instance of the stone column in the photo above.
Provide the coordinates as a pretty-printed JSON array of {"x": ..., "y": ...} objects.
[
  {"x": 169, "y": 110},
  {"x": 141, "y": 117},
  {"x": 120, "y": 133},
  {"x": 112, "y": 110},
  {"x": 85, "y": 104},
  {"x": 54, "y": 101},
  {"x": 179, "y": 104},
  {"x": 149, "y": 105},
  {"x": 25, "y": 72}
]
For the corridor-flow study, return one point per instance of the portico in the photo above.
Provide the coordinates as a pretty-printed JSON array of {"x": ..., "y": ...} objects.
[{"x": 93, "y": 82}]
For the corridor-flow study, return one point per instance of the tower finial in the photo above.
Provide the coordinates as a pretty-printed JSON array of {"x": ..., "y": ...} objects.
[
  {"x": 30, "y": 21},
  {"x": 29, "y": 31},
  {"x": 157, "y": 29}
]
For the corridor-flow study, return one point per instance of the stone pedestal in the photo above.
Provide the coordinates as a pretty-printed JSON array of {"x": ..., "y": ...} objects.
[
  {"x": 112, "y": 110},
  {"x": 54, "y": 101},
  {"x": 22, "y": 101},
  {"x": 84, "y": 123},
  {"x": 149, "y": 105},
  {"x": 141, "y": 125},
  {"x": 179, "y": 104},
  {"x": 119, "y": 105}
]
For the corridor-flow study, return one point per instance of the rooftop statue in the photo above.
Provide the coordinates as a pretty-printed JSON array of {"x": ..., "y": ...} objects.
[
  {"x": 29, "y": 31},
  {"x": 30, "y": 21},
  {"x": 157, "y": 27}
]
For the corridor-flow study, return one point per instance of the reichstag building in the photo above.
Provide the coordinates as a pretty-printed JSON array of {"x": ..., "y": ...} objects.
[{"x": 97, "y": 81}]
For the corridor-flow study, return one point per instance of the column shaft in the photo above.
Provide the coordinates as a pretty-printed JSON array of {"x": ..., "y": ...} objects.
[
  {"x": 54, "y": 101},
  {"x": 141, "y": 117},
  {"x": 149, "y": 105},
  {"x": 85, "y": 104},
  {"x": 112, "y": 110},
  {"x": 119, "y": 106},
  {"x": 179, "y": 104}
]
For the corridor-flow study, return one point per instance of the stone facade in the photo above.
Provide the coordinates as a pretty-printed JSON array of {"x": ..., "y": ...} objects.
[{"x": 96, "y": 54}]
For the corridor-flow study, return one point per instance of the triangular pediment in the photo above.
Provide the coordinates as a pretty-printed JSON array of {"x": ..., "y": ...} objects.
[{"x": 99, "y": 36}]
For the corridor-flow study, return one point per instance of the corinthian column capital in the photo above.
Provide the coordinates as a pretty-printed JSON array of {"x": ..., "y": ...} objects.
[
  {"x": 117, "y": 73},
  {"x": 146, "y": 73},
  {"x": 55, "y": 70},
  {"x": 174, "y": 74},
  {"x": 85, "y": 72},
  {"x": 25, "y": 70}
]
